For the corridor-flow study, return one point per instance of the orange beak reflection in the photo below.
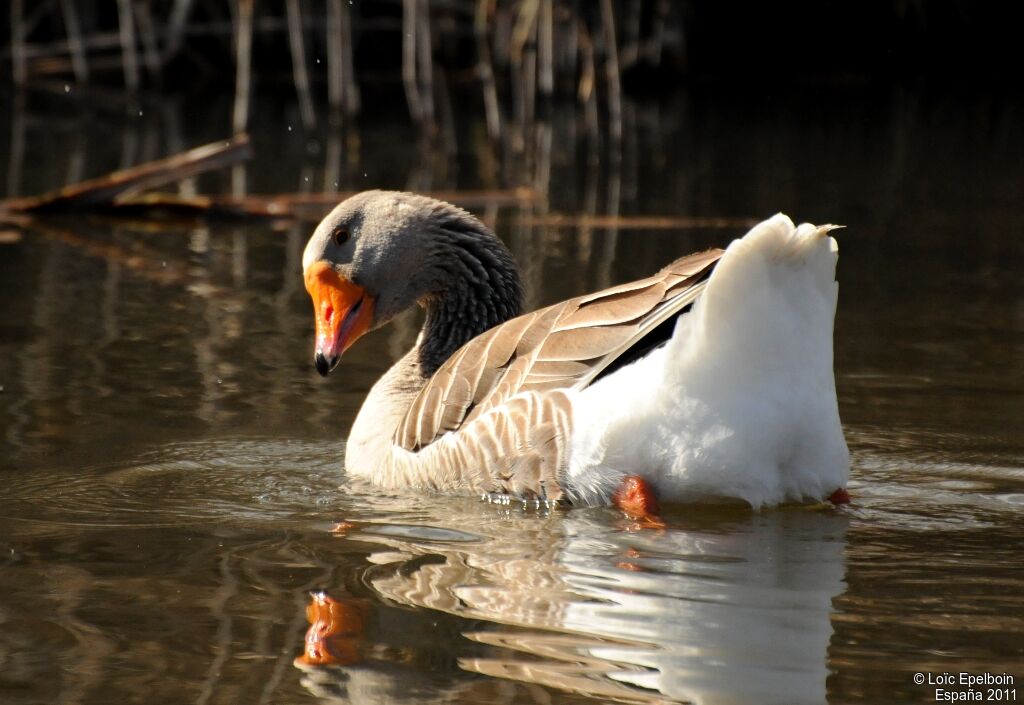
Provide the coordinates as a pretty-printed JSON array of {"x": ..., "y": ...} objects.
[
  {"x": 336, "y": 631},
  {"x": 343, "y": 310}
]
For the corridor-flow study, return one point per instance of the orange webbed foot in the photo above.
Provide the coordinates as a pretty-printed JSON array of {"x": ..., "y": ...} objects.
[{"x": 636, "y": 498}]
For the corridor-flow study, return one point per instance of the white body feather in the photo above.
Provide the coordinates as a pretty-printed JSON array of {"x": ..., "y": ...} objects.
[{"x": 741, "y": 401}]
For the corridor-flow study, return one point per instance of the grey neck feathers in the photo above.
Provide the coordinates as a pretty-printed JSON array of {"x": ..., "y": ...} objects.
[{"x": 478, "y": 287}]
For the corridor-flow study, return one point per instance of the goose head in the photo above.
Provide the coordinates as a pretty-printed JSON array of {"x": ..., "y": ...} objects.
[{"x": 380, "y": 252}]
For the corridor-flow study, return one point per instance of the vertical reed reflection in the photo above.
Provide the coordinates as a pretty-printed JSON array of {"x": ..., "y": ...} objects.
[
  {"x": 222, "y": 642},
  {"x": 16, "y": 145}
]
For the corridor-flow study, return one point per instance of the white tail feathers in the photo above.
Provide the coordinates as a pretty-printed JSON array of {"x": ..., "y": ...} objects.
[{"x": 741, "y": 402}]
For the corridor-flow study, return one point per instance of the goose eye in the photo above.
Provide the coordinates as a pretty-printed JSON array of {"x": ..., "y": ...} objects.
[{"x": 340, "y": 235}]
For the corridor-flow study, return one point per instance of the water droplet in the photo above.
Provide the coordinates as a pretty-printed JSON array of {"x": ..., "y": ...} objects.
[
  {"x": 289, "y": 128},
  {"x": 220, "y": 381},
  {"x": 306, "y": 179},
  {"x": 163, "y": 263},
  {"x": 318, "y": 61},
  {"x": 364, "y": 175},
  {"x": 140, "y": 113},
  {"x": 67, "y": 88}
]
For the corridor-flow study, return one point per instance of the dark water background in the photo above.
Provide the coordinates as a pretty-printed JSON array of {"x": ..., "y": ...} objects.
[{"x": 170, "y": 464}]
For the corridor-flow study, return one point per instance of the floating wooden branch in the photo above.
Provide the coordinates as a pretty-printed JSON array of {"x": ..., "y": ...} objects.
[
  {"x": 290, "y": 206},
  {"x": 107, "y": 191},
  {"x": 119, "y": 193}
]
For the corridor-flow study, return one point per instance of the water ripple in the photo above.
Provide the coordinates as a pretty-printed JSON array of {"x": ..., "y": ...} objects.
[{"x": 241, "y": 480}]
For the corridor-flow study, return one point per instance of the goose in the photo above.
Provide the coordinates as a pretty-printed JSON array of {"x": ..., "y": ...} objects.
[{"x": 709, "y": 381}]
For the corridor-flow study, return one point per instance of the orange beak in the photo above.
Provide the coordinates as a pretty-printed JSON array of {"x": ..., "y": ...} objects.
[{"x": 343, "y": 310}]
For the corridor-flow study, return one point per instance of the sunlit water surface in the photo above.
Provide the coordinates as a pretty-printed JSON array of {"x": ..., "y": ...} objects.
[{"x": 171, "y": 465}]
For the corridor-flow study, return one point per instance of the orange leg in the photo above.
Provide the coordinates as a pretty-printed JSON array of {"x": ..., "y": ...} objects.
[{"x": 636, "y": 498}]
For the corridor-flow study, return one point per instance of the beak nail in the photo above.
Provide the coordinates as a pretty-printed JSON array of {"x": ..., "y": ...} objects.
[{"x": 322, "y": 364}]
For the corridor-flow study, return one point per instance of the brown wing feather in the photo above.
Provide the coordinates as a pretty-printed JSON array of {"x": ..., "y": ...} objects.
[
  {"x": 614, "y": 308},
  {"x": 559, "y": 346}
]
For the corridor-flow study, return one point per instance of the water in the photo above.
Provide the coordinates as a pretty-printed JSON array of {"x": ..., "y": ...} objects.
[{"x": 171, "y": 463}]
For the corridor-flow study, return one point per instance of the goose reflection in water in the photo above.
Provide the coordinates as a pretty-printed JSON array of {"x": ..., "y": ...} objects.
[{"x": 712, "y": 609}]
